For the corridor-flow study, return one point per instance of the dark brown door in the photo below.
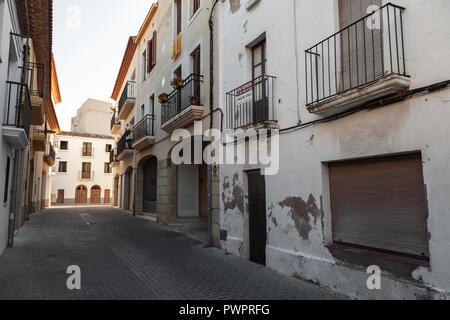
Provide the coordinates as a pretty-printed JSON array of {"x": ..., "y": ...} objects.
[
  {"x": 81, "y": 195},
  {"x": 96, "y": 195},
  {"x": 60, "y": 199},
  {"x": 196, "y": 70},
  {"x": 178, "y": 73},
  {"x": 107, "y": 196},
  {"x": 380, "y": 204},
  {"x": 257, "y": 217}
]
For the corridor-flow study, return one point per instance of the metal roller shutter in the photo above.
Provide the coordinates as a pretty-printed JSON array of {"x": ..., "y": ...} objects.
[{"x": 380, "y": 203}]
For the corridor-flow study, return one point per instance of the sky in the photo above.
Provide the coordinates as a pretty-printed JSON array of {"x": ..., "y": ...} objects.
[{"x": 89, "y": 40}]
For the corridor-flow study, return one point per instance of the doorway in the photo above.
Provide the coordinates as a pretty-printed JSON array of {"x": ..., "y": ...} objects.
[
  {"x": 96, "y": 194},
  {"x": 107, "y": 199},
  {"x": 81, "y": 195},
  {"x": 188, "y": 191},
  {"x": 127, "y": 190},
  {"x": 150, "y": 187},
  {"x": 257, "y": 216},
  {"x": 60, "y": 199}
]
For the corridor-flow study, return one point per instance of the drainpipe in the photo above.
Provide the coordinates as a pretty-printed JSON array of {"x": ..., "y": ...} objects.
[
  {"x": 299, "y": 117},
  {"x": 211, "y": 108}
]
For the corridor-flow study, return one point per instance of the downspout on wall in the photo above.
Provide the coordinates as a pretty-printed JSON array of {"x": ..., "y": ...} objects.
[{"x": 211, "y": 114}]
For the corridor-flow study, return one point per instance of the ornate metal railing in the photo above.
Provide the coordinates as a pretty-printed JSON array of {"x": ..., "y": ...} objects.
[
  {"x": 144, "y": 128},
  {"x": 181, "y": 98},
  {"x": 124, "y": 143},
  {"x": 251, "y": 103},
  {"x": 129, "y": 92},
  {"x": 18, "y": 106},
  {"x": 365, "y": 51}
]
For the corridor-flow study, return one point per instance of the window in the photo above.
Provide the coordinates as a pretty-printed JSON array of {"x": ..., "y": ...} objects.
[
  {"x": 62, "y": 166},
  {"x": 8, "y": 165},
  {"x": 195, "y": 56},
  {"x": 87, "y": 149},
  {"x": 195, "y": 6},
  {"x": 86, "y": 170},
  {"x": 107, "y": 168},
  {"x": 152, "y": 104},
  {"x": 151, "y": 49},
  {"x": 64, "y": 145},
  {"x": 144, "y": 64},
  {"x": 178, "y": 13},
  {"x": 108, "y": 148},
  {"x": 142, "y": 111},
  {"x": 259, "y": 60}
]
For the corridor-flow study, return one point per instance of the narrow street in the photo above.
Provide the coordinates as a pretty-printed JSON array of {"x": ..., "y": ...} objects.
[{"x": 124, "y": 257}]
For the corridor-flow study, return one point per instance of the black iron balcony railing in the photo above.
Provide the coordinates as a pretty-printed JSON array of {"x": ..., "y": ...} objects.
[
  {"x": 129, "y": 92},
  {"x": 18, "y": 106},
  {"x": 144, "y": 128},
  {"x": 124, "y": 143},
  {"x": 364, "y": 52},
  {"x": 251, "y": 103},
  {"x": 50, "y": 154},
  {"x": 35, "y": 78},
  {"x": 112, "y": 156},
  {"x": 182, "y": 98},
  {"x": 114, "y": 121}
]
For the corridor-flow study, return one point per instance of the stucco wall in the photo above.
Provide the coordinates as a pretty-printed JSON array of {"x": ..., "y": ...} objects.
[{"x": 297, "y": 198}]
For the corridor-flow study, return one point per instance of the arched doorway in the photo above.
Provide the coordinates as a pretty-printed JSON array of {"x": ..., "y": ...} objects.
[
  {"x": 149, "y": 185},
  {"x": 81, "y": 195},
  {"x": 96, "y": 194}
]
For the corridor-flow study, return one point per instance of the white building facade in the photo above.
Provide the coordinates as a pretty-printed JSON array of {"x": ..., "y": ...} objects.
[
  {"x": 82, "y": 175},
  {"x": 362, "y": 104}
]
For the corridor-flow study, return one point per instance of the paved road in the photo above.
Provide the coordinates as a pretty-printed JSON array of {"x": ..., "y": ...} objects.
[{"x": 123, "y": 257}]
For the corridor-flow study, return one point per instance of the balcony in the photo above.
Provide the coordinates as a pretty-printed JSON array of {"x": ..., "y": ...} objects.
[
  {"x": 183, "y": 105},
  {"x": 361, "y": 63},
  {"x": 50, "y": 154},
  {"x": 124, "y": 148},
  {"x": 35, "y": 73},
  {"x": 115, "y": 124},
  {"x": 86, "y": 175},
  {"x": 113, "y": 158},
  {"x": 252, "y": 105},
  {"x": 38, "y": 138},
  {"x": 127, "y": 100},
  {"x": 17, "y": 117},
  {"x": 144, "y": 133}
]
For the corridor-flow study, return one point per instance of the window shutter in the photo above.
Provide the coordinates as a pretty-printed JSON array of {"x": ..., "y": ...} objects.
[
  {"x": 154, "y": 49},
  {"x": 149, "y": 55}
]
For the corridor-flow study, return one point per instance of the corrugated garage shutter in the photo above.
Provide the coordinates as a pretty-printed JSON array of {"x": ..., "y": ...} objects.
[{"x": 380, "y": 204}]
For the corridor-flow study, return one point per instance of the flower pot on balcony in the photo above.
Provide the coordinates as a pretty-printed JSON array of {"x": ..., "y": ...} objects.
[
  {"x": 194, "y": 100},
  {"x": 163, "y": 98},
  {"x": 177, "y": 83}
]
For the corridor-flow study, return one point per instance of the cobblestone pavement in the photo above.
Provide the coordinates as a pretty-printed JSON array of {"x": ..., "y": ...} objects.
[{"x": 123, "y": 257}]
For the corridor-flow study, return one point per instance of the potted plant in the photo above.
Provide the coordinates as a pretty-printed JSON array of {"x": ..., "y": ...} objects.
[
  {"x": 194, "y": 100},
  {"x": 177, "y": 83},
  {"x": 163, "y": 98}
]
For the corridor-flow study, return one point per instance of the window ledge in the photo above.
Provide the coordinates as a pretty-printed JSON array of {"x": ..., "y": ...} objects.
[
  {"x": 192, "y": 18},
  {"x": 379, "y": 255}
]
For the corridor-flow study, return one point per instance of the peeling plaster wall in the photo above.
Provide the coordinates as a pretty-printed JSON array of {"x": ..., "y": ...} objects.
[{"x": 297, "y": 198}]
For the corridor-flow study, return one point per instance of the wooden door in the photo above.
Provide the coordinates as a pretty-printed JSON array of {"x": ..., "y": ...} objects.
[
  {"x": 257, "y": 217},
  {"x": 260, "y": 96},
  {"x": 60, "y": 199},
  {"x": 81, "y": 195},
  {"x": 107, "y": 199},
  {"x": 96, "y": 196}
]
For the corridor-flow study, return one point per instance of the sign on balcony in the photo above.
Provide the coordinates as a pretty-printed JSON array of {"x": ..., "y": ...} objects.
[{"x": 244, "y": 93}]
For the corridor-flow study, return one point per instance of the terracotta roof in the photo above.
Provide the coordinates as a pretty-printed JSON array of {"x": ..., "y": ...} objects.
[
  {"x": 84, "y": 135},
  {"x": 55, "y": 85}
]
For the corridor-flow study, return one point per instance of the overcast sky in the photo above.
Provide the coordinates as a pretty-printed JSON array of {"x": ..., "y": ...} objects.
[{"x": 89, "y": 39}]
